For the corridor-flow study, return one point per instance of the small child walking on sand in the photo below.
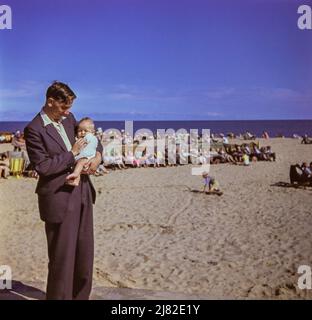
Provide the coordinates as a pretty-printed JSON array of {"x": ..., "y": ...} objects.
[{"x": 212, "y": 184}]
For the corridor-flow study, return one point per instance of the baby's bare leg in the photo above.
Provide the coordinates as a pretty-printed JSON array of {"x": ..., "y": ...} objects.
[{"x": 74, "y": 178}]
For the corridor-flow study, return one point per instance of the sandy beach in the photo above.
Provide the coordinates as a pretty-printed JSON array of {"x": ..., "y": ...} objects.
[{"x": 153, "y": 233}]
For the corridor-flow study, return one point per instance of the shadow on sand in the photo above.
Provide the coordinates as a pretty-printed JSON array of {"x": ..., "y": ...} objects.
[
  {"x": 214, "y": 192},
  {"x": 290, "y": 185},
  {"x": 21, "y": 291}
]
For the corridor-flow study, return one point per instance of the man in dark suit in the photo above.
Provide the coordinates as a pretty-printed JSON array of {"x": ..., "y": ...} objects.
[{"x": 66, "y": 210}]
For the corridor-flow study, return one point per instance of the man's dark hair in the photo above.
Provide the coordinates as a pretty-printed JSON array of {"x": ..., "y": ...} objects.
[{"x": 60, "y": 91}]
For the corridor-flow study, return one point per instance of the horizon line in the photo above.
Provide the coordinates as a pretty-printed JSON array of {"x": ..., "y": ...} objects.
[{"x": 215, "y": 120}]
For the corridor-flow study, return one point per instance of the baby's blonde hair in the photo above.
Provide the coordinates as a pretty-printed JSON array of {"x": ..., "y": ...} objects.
[{"x": 82, "y": 120}]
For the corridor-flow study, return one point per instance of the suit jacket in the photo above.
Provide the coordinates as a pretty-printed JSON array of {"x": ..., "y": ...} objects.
[{"x": 50, "y": 158}]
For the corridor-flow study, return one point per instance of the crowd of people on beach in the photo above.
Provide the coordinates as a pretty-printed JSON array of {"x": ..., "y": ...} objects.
[
  {"x": 244, "y": 153},
  {"x": 136, "y": 153},
  {"x": 139, "y": 154},
  {"x": 16, "y": 162}
]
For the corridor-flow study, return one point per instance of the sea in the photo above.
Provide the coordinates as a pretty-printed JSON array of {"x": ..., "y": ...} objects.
[{"x": 274, "y": 127}]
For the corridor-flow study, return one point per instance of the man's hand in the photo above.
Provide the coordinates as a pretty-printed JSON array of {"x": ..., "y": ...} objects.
[
  {"x": 79, "y": 144},
  {"x": 91, "y": 166}
]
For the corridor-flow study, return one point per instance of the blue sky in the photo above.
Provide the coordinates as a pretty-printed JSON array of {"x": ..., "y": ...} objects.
[{"x": 159, "y": 59}]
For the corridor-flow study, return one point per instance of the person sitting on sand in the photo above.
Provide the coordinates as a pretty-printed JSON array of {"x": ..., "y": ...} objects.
[
  {"x": 225, "y": 156},
  {"x": 237, "y": 153},
  {"x": 86, "y": 130},
  {"x": 225, "y": 140},
  {"x": 265, "y": 156},
  {"x": 160, "y": 158},
  {"x": 249, "y": 136},
  {"x": 118, "y": 161},
  {"x": 4, "y": 166},
  {"x": 150, "y": 160},
  {"x": 246, "y": 149},
  {"x": 257, "y": 153},
  {"x": 265, "y": 135},
  {"x": 307, "y": 172},
  {"x": 246, "y": 160},
  {"x": 138, "y": 158},
  {"x": 202, "y": 157},
  {"x": 213, "y": 138},
  {"x": 306, "y": 140},
  {"x": 18, "y": 141},
  {"x": 100, "y": 171},
  {"x": 211, "y": 183},
  {"x": 128, "y": 159},
  {"x": 270, "y": 155}
]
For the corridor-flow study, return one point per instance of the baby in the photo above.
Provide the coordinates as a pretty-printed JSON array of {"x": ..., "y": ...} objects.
[
  {"x": 85, "y": 130},
  {"x": 212, "y": 184}
]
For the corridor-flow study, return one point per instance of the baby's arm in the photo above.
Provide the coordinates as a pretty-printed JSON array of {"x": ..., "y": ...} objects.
[
  {"x": 205, "y": 185},
  {"x": 74, "y": 178}
]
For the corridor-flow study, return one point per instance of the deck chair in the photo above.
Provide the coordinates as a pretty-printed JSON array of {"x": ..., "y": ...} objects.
[
  {"x": 17, "y": 163},
  {"x": 254, "y": 143},
  {"x": 296, "y": 175}
]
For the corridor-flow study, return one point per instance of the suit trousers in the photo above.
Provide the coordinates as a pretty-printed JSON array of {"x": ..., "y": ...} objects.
[{"x": 71, "y": 248}]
